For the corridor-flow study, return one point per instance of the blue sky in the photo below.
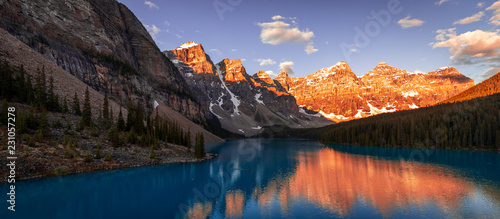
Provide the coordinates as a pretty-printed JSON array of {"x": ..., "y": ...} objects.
[{"x": 309, "y": 35}]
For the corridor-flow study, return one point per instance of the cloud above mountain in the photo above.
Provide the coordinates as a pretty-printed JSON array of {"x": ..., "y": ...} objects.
[
  {"x": 153, "y": 30},
  {"x": 279, "y": 32},
  {"x": 471, "y": 19},
  {"x": 151, "y": 5},
  {"x": 407, "y": 22},
  {"x": 495, "y": 7},
  {"x": 441, "y": 2},
  {"x": 263, "y": 62},
  {"x": 470, "y": 47},
  {"x": 287, "y": 66}
]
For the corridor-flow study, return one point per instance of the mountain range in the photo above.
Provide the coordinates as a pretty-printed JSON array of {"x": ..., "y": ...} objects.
[
  {"x": 338, "y": 94},
  {"x": 104, "y": 45},
  {"x": 247, "y": 103}
]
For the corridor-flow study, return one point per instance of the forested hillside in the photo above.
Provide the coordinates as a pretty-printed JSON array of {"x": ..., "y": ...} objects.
[
  {"x": 488, "y": 87},
  {"x": 472, "y": 124}
]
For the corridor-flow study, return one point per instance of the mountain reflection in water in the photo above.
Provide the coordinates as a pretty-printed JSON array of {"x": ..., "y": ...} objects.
[{"x": 335, "y": 181}]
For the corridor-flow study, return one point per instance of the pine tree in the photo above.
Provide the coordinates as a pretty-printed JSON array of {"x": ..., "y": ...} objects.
[
  {"x": 132, "y": 137},
  {"x": 130, "y": 117},
  {"x": 30, "y": 94},
  {"x": 139, "y": 120},
  {"x": 98, "y": 152},
  {"x": 114, "y": 138},
  {"x": 202, "y": 145},
  {"x": 41, "y": 88},
  {"x": 199, "y": 149},
  {"x": 76, "y": 106},
  {"x": 65, "y": 106},
  {"x": 110, "y": 120},
  {"x": 88, "y": 158},
  {"x": 44, "y": 123},
  {"x": 105, "y": 107},
  {"x": 51, "y": 105},
  {"x": 188, "y": 139},
  {"x": 21, "y": 125},
  {"x": 21, "y": 84},
  {"x": 87, "y": 111},
  {"x": 152, "y": 153},
  {"x": 31, "y": 120},
  {"x": 121, "y": 123}
]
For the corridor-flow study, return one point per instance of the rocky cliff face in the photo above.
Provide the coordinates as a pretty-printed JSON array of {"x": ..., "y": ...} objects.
[
  {"x": 243, "y": 104},
  {"x": 194, "y": 55},
  {"x": 102, "y": 43},
  {"x": 338, "y": 94}
]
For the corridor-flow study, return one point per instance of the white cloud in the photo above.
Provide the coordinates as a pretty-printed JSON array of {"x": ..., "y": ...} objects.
[
  {"x": 263, "y": 62},
  {"x": 326, "y": 42},
  {"x": 166, "y": 23},
  {"x": 407, "y": 22},
  {"x": 234, "y": 50},
  {"x": 153, "y": 30},
  {"x": 216, "y": 51},
  {"x": 310, "y": 48},
  {"x": 278, "y": 32},
  {"x": 243, "y": 60},
  {"x": 271, "y": 73},
  {"x": 470, "y": 47},
  {"x": 151, "y": 4},
  {"x": 287, "y": 66},
  {"x": 178, "y": 36},
  {"x": 490, "y": 72},
  {"x": 496, "y": 14},
  {"x": 277, "y": 17},
  {"x": 480, "y": 5},
  {"x": 441, "y": 2},
  {"x": 353, "y": 50},
  {"x": 471, "y": 19}
]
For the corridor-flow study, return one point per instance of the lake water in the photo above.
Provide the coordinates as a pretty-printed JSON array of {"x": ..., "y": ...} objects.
[{"x": 256, "y": 178}]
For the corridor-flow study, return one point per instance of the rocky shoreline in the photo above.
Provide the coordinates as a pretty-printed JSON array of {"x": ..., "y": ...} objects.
[
  {"x": 69, "y": 149},
  {"x": 46, "y": 162}
]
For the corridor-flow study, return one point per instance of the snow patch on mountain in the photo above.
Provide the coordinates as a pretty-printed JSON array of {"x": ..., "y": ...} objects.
[
  {"x": 375, "y": 110},
  {"x": 333, "y": 116},
  {"x": 257, "y": 98},
  {"x": 234, "y": 99},
  {"x": 410, "y": 94},
  {"x": 413, "y": 106},
  {"x": 186, "y": 45}
]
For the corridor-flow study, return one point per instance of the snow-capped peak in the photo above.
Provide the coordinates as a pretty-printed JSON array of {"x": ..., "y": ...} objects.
[
  {"x": 444, "y": 68},
  {"x": 416, "y": 72},
  {"x": 381, "y": 63},
  {"x": 187, "y": 45},
  {"x": 340, "y": 63}
]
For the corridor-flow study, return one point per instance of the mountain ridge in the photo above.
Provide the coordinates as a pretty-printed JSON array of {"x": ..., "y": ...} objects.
[
  {"x": 488, "y": 87},
  {"x": 104, "y": 45},
  {"x": 243, "y": 104},
  {"x": 338, "y": 94}
]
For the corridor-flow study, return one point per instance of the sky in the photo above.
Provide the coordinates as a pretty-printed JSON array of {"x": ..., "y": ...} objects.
[{"x": 302, "y": 37}]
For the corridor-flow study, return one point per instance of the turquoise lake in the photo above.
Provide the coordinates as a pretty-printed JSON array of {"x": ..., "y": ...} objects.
[{"x": 262, "y": 178}]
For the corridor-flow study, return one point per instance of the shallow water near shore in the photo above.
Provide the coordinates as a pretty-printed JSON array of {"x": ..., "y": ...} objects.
[{"x": 254, "y": 178}]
